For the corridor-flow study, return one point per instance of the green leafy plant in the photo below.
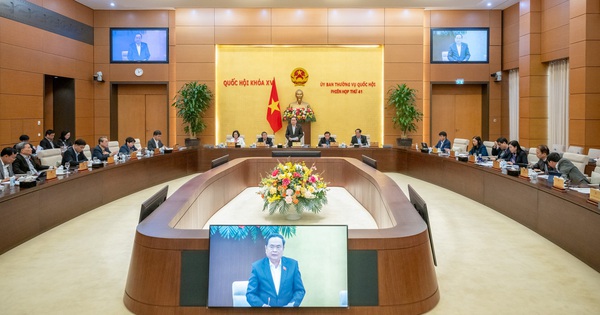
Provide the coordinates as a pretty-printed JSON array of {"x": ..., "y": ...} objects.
[
  {"x": 191, "y": 102},
  {"x": 403, "y": 99},
  {"x": 240, "y": 232}
]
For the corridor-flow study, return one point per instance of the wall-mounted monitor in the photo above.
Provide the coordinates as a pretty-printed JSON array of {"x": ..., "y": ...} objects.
[
  {"x": 460, "y": 45},
  {"x": 310, "y": 261},
  {"x": 139, "y": 45}
]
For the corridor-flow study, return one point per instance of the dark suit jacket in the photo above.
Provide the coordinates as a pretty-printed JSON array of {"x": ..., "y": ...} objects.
[
  {"x": 543, "y": 166},
  {"x": 567, "y": 168},
  {"x": 10, "y": 171},
  {"x": 363, "y": 140},
  {"x": 464, "y": 53},
  {"x": 442, "y": 146},
  {"x": 151, "y": 145},
  {"x": 126, "y": 150},
  {"x": 97, "y": 153},
  {"x": 324, "y": 141},
  {"x": 261, "y": 289},
  {"x": 47, "y": 144},
  {"x": 289, "y": 134},
  {"x": 73, "y": 157},
  {"x": 132, "y": 54},
  {"x": 479, "y": 150},
  {"x": 20, "y": 165},
  {"x": 520, "y": 158},
  {"x": 269, "y": 141},
  {"x": 61, "y": 143}
]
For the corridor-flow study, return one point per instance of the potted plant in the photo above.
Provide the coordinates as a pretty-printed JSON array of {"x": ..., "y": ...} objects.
[
  {"x": 191, "y": 102},
  {"x": 406, "y": 115}
]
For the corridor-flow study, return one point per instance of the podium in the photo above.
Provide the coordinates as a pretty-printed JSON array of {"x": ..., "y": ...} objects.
[{"x": 306, "y": 130}]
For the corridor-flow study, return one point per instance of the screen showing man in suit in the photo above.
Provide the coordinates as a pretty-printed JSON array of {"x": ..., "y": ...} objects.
[
  {"x": 138, "y": 50},
  {"x": 275, "y": 280},
  {"x": 458, "y": 51}
]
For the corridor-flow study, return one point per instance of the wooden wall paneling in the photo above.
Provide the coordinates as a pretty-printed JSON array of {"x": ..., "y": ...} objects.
[
  {"x": 126, "y": 73},
  {"x": 22, "y": 83},
  {"x": 84, "y": 128},
  {"x": 371, "y": 35},
  {"x": 21, "y": 35},
  {"x": 132, "y": 117},
  {"x": 299, "y": 35},
  {"x": 21, "y": 106},
  {"x": 156, "y": 116},
  {"x": 66, "y": 47},
  {"x": 154, "y": 18},
  {"x": 554, "y": 44},
  {"x": 195, "y": 35},
  {"x": 195, "y": 17},
  {"x": 21, "y": 59},
  {"x": 404, "y": 17},
  {"x": 195, "y": 53},
  {"x": 403, "y": 72},
  {"x": 555, "y": 14},
  {"x": 404, "y": 35},
  {"x": 84, "y": 107},
  {"x": 239, "y": 35},
  {"x": 299, "y": 17},
  {"x": 355, "y": 17},
  {"x": 242, "y": 17},
  {"x": 462, "y": 18},
  {"x": 71, "y": 9}
]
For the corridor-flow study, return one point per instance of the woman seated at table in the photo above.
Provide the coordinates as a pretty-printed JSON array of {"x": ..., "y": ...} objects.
[
  {"x": 65, "y": 139},
  {"x": 516, "y": 156},
  {"x": 235, "y": 138},
  {"x": 478, "y": 147},
  {"x": 128, "y": 146}
]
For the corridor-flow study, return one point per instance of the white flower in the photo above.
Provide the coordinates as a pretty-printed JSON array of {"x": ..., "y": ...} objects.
[
  {"x": 289, "y": 192},
  {"x": 288, "y": 199}
]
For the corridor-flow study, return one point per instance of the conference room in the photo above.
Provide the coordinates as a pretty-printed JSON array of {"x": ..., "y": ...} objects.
[{"x": 344, "y": 60}]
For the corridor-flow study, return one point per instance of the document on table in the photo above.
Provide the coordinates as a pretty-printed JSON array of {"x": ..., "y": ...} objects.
[{"x": 581, "y": 190}]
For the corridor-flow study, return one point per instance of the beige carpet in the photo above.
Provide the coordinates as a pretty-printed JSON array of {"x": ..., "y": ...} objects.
[{"x": 487, "y": 263}]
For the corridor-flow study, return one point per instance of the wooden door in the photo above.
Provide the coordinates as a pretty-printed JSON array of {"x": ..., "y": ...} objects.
[
  {"x": 456, "y": 109},
  {"x": 141, "y": 110}
]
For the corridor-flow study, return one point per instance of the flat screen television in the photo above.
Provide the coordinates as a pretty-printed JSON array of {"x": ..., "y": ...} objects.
[
  {"x": 152, "y": 203},
  {"x": 421, "y": 208},
  {"x": 295, "y": 153},
  {"x": 313, "y": 265},
  {"x": 139, "y": 45},
  {"x": 219, "y": 161},
  {"x": 460, "y": 45}
]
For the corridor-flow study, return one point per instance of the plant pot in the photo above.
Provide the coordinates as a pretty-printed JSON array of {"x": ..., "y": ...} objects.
[
  {"x": 189, "y": 142},
  {"x": 292, "y": 214},
  {"x": 404, "y": 142}
]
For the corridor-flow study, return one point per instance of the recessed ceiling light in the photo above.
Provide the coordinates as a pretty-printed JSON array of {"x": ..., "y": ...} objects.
[
  {"x": 489, "y": 4},
  {"x": 112, "y": 4}
]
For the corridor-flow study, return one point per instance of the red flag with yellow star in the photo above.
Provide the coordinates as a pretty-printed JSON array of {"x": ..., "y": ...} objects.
[{"x": 273, "y": 109}]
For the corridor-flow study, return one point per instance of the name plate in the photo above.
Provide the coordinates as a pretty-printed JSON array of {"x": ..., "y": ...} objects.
[
  {"x": 496, "y": 164},
  {"x": 452, "y": 153},
  {"x": 595, "y": 195},
  {"x": 156, "y": 151},
  {"x": 471, "y": 158},
  {"x": 231, "y": 144},
  {"x": 296, "y": 145},
  {"x": 333, "y": 144},
  {"x": 261, "y": 144},
  {"x": 434, "y": 150},
  {"x": 110, "y": 160},
  {"x": 82, "y": 166},
  {"x": 51, "y": 174},
  {"x": 559, "y": 183},
  {"x": 374, "y": 144},
  {"x": 133, "y": 155},
  {"x": 524, "y": 172}
]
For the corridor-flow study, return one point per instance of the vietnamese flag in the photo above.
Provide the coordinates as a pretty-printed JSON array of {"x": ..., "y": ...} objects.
[{"x": 273, "y": 110}]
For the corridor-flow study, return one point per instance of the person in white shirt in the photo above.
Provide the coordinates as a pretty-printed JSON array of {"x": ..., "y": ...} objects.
[
  {"x": 155, "y": 142},
  {"x": 235, "y": 138}
]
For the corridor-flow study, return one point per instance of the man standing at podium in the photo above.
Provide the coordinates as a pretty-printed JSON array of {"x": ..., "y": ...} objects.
[{"x": 293, "y": 132}]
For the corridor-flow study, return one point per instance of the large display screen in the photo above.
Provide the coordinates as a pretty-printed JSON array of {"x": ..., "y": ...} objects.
[
  {"x": 139, "y": 45},
  {"x": 309, "y": 263},
  {"x": 460, "y": 45}
]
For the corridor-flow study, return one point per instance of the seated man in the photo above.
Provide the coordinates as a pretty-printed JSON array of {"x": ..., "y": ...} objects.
[
  {"x": 128, "y": 146},
  {"x": 500, "y": 149},
  {"x": 7, "y": 157},
  {"x": 48, "y": 141},
  {"x": 155, "y": 142},
  {"x": 24, "y": 138},
  {"x": 542, "y": 152},
  {"x": 101, "y": 151},
  {"x": 265, "y": 139},
  {"x": 358, "y": 138},
  {"x": 24, "y": 162},
  {"x": 444, "y": 144},
  {"x": 74, "y": 154},
  {"x": 326, "y": 140},
  {"x": 566, "y": 167}
]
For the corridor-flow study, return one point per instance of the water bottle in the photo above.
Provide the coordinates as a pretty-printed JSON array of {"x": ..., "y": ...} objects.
[{"x": 12, "y": 181}]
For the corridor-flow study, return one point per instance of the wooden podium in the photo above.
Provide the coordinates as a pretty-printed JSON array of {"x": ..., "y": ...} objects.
[{"x": 306, "y": 130}]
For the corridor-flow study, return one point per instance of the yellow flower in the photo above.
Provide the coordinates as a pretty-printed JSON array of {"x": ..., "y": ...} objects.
[{"x": 272, "y": 190}]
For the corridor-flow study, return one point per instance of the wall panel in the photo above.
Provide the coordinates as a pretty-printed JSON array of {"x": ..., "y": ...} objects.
[
  {"x": 308, "y": 35},
  {"x": 299, "y": 17},
  {"x": 356, "y": 35}
]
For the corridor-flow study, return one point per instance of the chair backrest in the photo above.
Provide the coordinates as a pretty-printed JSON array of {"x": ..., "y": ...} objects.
[
  {"x": 595, "y": 178},
  {"x": 272, "y": 137},
  {"x": 238, "y": 291},
  {"x": 579, "y": 160},
  {"x": 558, "y": 148},
  {"x": 488, "y": 146},
  {"x": 594, "y": 153},
  {"x": 575, "y": 149},
  {"x": 137, "y": 144},
  {"x": 87, "y": 152},
  {"x": 460, "y": 145},
  {"x": 532, "y": 156},
  {"x": 113, "y": 146},
  {"x": 50, "y": 157},
  {"x": 229, "y": 137}
]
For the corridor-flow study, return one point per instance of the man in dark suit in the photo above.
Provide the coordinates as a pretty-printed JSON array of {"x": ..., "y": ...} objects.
[
  {"x": 293, "y": 132},
  {"x": 74, "y": 154},
  {"x": 128, "y": 146},
  {"x": 458, "y": 51},
  {"x": 24, "y": 138},
  {"x": 24, "y": 162},
  {"x": 138, "y": 50},
  {"x": 326, "y": 140},
  {"x": 444, "y": 144},
  {"x": 500, "y": 149},
  {"x": 567, "y": 168},
  {"x": 7, "y": 157},
  {"x": 101, "y": 151},
  {"x": 155, "y": 141},
  {"x": 358, "y": 138},
  {"x": 542, "y": 152},
  {"x": 265, "y": 139},
  {"x": 275, "y": 280},
  {"x": 48, "y": 141}
]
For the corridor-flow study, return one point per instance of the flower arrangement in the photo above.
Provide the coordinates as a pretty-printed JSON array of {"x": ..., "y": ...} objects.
[
  {"x": 302, "y": 114},
  {"x": 291, "y": 185}
]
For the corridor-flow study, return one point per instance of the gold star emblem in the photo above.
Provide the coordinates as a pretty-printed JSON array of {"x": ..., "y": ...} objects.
[{"x": 274, "y": 107}]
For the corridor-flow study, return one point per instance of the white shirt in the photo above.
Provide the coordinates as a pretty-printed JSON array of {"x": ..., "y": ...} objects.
[
  {"x": 276, "y": 274},
  {"x": 5, "y": 173},
  {"x": 458, "y": 49},
  {"x": 139, "y": 49}
]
